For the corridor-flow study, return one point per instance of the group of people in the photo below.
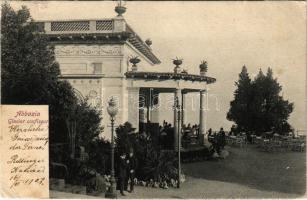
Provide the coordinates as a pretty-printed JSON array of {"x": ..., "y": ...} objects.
[
  {"x": 126, "y": 172},
  {"x": 165, "y": 126},
  {"x": 190, "y": 130},
  {"x": 217, "y": 139},
  {"x": 166, "y": 135}
]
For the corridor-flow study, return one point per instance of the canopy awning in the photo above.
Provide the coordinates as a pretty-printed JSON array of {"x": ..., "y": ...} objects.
[
  {"x": 165, "y": 82},
  {"x": 169, "y": 75}
]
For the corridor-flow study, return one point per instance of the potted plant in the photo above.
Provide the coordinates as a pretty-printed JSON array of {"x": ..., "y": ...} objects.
[
  {"x": 134, "y": 60},
  {"x": 177, "y": 62},
  {"x": 119, "y": 9},
  {"x": 148, "y": 42},
  {"x": 203, "y": 68}
]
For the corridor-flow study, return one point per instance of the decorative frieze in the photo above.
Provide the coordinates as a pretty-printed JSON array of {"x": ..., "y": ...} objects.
[
  {"x": 87, "y": 50},
  {"x": 94, "y": 99}
]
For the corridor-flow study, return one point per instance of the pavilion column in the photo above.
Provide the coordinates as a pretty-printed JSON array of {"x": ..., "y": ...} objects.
[
  {"x": 202, "y": 122},
  {"x": 149, "y": 104},
  {"x": 142, "y": 117},
  {"x": 177, "y": 123},
  {"x": 154, "y": 114},
  {"x": 183, "y": 109},
  {"x": 133, "y": 107},
  {"x": 142, "y": 111}
]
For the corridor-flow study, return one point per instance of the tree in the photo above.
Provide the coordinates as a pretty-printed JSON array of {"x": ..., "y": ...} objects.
[
  {"x": 88, "y": 123},
  {"x": 271, "y": 109},
  {"x": 28, "y": 65},
  {"x": 258, "y": 106},
  {"x": 240, "y": 106},
  {"x": 30, "y": 76}
]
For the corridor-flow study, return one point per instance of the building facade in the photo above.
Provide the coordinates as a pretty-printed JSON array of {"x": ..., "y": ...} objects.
[{"x": 105, "y": 58}]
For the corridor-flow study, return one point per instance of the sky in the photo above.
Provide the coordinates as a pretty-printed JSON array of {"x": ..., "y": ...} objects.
[{"x": 227, "y": 35}]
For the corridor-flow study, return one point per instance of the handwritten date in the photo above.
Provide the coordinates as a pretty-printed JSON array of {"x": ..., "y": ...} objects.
[{"x": 17, "y": 180}]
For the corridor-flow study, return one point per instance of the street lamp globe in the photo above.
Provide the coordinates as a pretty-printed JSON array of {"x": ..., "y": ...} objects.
[
  {"x": 112, "y": 111},
  {"x": 112, "y": 107}
]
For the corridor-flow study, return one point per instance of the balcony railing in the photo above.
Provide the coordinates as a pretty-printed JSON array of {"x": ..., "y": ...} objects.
[{"x": 83, "y": 26}]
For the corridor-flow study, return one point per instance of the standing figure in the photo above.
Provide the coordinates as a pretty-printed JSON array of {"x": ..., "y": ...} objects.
[
  {"x": 210, "y": 136},
  {"x": 232, "y": 130},
  {"x": 131, "y": 168},
  {"x": 132, "y": 163},
  {"x": 222, "y": 138},
  {"x": 216, "y": 142},
  {"x": 122, "y": 173}
]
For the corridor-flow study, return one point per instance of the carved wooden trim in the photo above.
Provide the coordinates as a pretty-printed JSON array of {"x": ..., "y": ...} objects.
[{"x": 87, "y": 50}]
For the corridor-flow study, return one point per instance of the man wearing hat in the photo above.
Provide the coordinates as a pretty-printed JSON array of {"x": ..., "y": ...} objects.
[{"x": 122, "y": 172}]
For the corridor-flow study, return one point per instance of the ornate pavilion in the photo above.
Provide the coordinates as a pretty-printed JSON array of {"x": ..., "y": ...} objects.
[{"x": 104, "y": 57}]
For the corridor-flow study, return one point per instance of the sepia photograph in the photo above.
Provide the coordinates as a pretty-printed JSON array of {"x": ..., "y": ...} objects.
[{"x": 156, "y": 99}]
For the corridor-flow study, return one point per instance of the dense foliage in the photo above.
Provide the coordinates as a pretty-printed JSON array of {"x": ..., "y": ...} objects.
[
  {"x": 153, "y": 163},
  {"x": 258, "y": 106},
  {"x": 29, "y": 71},
  {"x": 160, "y": 165},
  {"x": 99, "y": 156}
]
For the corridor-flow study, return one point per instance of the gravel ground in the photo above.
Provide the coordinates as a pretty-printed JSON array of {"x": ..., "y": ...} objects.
[{"x": 245, "y": 173}]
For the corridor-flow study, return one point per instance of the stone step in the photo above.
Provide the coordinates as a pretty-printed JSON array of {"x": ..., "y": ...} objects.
[
  {"x": 59, "y": 185},
  {"x": 56, "y": 184},
  {"x": 76, "y": 189}
]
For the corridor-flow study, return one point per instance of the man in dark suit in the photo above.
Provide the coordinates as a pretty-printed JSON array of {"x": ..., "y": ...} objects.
[
  {"x": 122, "y": 172},
  {"x": 222, "y": 138},
  {"x": 131, "y": 170}
]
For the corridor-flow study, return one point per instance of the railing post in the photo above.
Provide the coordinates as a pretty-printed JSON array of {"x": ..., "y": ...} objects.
[
  {"x": 47, "y": 27},
  {"x": 119, "y": 24},
  {"x": 93, "y": 26}
]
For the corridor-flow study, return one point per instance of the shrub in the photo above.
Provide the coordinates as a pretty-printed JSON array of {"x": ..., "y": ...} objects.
[
  {"x": 122, "y": 140},
  {"x": 99, "y": 155},
  {"x": 152, "y": 162},
  {"x": 160, "y": 166}
]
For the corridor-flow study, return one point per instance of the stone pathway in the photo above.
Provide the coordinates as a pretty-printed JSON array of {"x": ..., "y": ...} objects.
[
  {"x": 200, "y": 188},
  {"x": 64, "y": 195},
  {"x": 192, "y": 188}
]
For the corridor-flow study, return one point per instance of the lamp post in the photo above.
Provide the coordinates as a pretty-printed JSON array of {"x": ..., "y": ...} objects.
[
  {"x": 179, "y": 140},
  {"x": 112, "y": 111}
]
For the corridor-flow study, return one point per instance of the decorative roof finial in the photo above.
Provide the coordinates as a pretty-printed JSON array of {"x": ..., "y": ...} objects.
[
  {"x": 177, "y": 62},
  {"x": 120, "y": 9},
  {"x": 203, "y": 68}
]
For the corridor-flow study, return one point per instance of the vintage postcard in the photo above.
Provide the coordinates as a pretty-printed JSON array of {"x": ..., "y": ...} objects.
[
  {"x": 156, "y": 99},
  {"x": 24, "y": 151}
]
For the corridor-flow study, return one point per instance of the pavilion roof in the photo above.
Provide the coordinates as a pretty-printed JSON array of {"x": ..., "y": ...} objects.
[
  {"x": 95, "y": 31},
  {"x": 138, "y": 43},
  {"x": 169, "y": 75}
]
